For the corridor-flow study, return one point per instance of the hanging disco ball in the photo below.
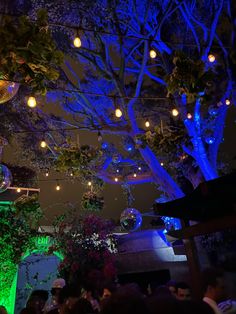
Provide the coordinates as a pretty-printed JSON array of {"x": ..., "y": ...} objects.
[
  {"x": 5, "y": 178},
  {"x": 209, "y": 140},
  {"x": 7, "y": 90},
  {"x": 116, "y": 158},
  {"x": 130, "y": 219},
  {"x": 212, "y": 110}
]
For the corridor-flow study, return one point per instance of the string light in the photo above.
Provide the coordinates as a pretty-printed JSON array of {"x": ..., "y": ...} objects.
[
  {"x": 135, "y": 175},
  {"x": 99, "y": 136},
  {"x": 47, "y": 173},
  {"x": 43, "y": 144},
  {"x": 116, "y": 179},
  {"x": 211, "y": 58},
  {"x": 58, "y": 187},
  {"x": 227, "y": 102},
  {"x": 189, "y": 115},
  {"x": 71, "y": 174},
  {"x": 77, "y": 42},
  {"x": 89, "y": 183},
  {"x": 18, "y": 190},
  {"x": 162, "y": 164},
  {"x": 118, "y": 113},
  {"x": 139, "y": 168},
  {"x": 175, "y": 112},
  {"x": 31, "y": 102},
  {"x": 117, "y": 170},
  {"x": 152, "y": 54},
  {"x": 147, "y": 124}
]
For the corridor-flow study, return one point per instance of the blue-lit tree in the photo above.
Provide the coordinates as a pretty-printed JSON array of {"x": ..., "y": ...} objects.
[{"x": 183, "y": 92}]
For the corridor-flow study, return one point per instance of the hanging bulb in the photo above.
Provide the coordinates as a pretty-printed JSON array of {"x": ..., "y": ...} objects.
[
  {"x": 31, "y": 102},
  {"x": 139, "y": 168},
  {"x": 152, "y": 54},
  {"x": 18, "y": 190},
  {"x": 43, "y": 144},
  {"x": 77, "y": 42},
  {"x": 89, "y": 183},
  {"x": 175, "y": 112},
  {"x": 58, "y": 187},
  {"x": 189, "y": 115},
  {"x": 116, "y": 179},
  {"x": 47, "y": 173},
  {"x": 135, "y": 175},
  {"x": 162, "y": 164},
  {"x": 211, "y": 58},
  {"x": 227, "y": 102},
  {"x": 147, "y": 124},
  {"x": 117, "y": 170},
  {"x": 118, "y": 113},
  {"x": 99, "y": 136},
  {"x": 71, "y": 174}
]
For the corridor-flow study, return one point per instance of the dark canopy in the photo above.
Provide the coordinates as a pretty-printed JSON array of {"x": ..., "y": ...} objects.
[{"x": 211, "y": 199}]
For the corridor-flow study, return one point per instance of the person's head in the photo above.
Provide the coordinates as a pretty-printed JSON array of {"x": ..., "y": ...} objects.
[
  {"x": 82, "y": 306},
  {"x": 213, "y": 284},
  {"x": 3, "y": 310},
  {"x": 125, "y": 301},
  {"x": 171, "y": 285},
  {"x": 37, "y": 300},
  {"x": 57, "y": 285},
  {"x": 194, "y": 307},
  {"x": 183, "y": 292}
]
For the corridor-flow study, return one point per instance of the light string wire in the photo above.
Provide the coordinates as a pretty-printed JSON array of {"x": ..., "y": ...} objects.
[{"x": 78, "y": 28}]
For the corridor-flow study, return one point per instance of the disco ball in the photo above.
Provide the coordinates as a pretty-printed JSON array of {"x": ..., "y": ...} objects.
[
  {"x": 130, "y": 219},
  {"x": 116, "y": 158},
  {"x": 209, "y": 139},
  {"x": 5, "y": 178},
  {"x": 7, "y": 90},
  {"x": 213, "y": 111}
]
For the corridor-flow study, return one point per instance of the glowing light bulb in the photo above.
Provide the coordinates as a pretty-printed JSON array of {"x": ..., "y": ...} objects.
[
  {"x": 99, "y": 136},
  {"x": 152, "y": 54},
  {"x": 117, "y": 170},
  {"x": 227, "y": 102},
  {"x": 58, "y": 187},
  {"x": 118, "y": 113},
  {"x": 77, "y": 42},
  {"x": 47, "y": 173},
  {"x": 71, "y": 174},
  {"x": 31, "y": 102},
  {"x": 211, "y": 58},
  {"x": 139, "y": 168},
  {"x": 43, "y": 144},
  {"x": 175, "y": 112},
  {"x": 18, "y": 190},
  {"x": 162, "y": 164},
  {"x": 135, "y": 175},
  {"x": 116, "y": 179},
  {"x": 147, "y": 124},
  {"x": 189, "y": 115},
  {"x": 89, "y": 183}
]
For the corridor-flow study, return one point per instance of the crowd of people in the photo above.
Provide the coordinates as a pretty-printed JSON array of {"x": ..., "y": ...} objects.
[{"x": 172, "y": 298}]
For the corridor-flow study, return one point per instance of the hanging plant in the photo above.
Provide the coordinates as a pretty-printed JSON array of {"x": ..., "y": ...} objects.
[
  {"x": 92, "y": 202},
  {"x": 188, "y": 77},
  {"x": 28, "y": 52},
  {"x": 81, "y": 160}
]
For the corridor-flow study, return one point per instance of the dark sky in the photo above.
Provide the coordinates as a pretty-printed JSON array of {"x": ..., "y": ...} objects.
[{"x": 58, "y": 202}]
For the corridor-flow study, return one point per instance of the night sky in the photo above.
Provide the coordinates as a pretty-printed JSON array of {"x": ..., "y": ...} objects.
[{"x": 54, "y": 202}]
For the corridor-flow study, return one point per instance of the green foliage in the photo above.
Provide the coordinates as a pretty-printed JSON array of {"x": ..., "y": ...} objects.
[
  {"x": 166, "y": 141},
  {"x": 92, "y": 202},
  {"x": 188, "y": 77},
  {"x": 81, "y": 160},
  {"x": 28, "y": 52},
  {"x": 16, "y": 237}
]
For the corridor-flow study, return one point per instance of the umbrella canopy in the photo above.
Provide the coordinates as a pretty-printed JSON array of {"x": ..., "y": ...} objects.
[{"x": 211, "y": 199}]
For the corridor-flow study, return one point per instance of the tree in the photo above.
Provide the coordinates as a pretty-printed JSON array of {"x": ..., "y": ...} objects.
[{"x": 113, "y": 69}]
